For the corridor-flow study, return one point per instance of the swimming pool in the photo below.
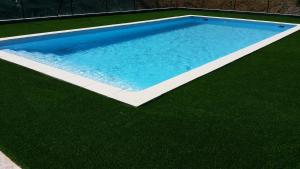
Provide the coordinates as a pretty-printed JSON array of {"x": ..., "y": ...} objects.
[{"x": 137, "y": 62}]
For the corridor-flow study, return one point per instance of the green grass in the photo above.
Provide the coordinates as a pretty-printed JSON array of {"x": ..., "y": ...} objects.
[{"x": 244, "y": 115}]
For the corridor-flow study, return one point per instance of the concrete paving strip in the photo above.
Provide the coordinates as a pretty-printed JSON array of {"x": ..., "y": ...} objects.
[{"x": 6, "y": 163}]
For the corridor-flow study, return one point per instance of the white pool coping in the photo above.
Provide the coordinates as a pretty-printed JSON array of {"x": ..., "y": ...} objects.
[
  {"x": 6, "y": 163},
  {"x": 137, "y": 98}
]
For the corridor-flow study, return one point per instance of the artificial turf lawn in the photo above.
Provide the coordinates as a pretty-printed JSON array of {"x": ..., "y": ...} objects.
[{"x": 244, "y": 115}]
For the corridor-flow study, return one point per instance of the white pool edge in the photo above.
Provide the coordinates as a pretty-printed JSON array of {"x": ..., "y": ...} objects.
[
  {"x": 7, "y": 163},
  {"x": 140, "y": 97}
]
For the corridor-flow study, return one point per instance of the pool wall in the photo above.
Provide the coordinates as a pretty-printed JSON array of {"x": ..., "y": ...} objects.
[{"x": 137, "y": 98}]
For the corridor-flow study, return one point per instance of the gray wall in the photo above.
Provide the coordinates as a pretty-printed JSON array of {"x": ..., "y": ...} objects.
[{"x": 12, "y": 9}]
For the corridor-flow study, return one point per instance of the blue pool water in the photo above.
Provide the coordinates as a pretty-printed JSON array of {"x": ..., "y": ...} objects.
[{"x": 135, "y": 57}]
